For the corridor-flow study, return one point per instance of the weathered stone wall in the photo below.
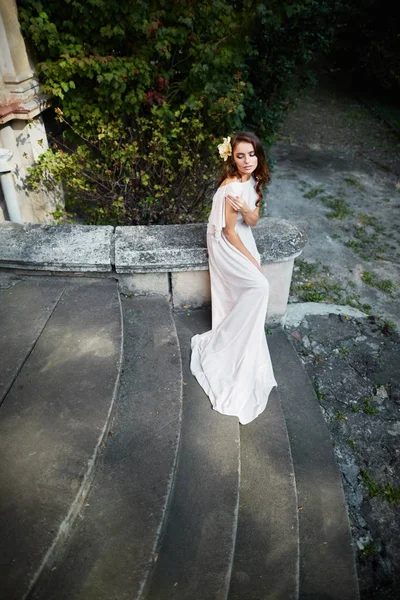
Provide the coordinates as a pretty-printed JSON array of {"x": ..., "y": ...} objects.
[
  {"x": 21, "y": 125},
  {"x": 168, "y": 260}
]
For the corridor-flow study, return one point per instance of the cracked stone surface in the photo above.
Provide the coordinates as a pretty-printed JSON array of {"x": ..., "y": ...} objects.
[
  {"x": 143, "y": 249},
  {"x": 55, "y": 247},
  {"x": 355, "y": 369}
]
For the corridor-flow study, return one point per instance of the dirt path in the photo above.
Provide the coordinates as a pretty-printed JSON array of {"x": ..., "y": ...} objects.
[
  {"x": 336, "y": 175},
  {"x": 331, "y": 117}
]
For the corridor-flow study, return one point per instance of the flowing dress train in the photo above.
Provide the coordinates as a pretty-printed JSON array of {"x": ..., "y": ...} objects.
[{"x": 231, "y": 361}]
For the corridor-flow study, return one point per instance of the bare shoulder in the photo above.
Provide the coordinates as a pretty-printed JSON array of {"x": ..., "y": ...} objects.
[{"x": 228, "y": 181}]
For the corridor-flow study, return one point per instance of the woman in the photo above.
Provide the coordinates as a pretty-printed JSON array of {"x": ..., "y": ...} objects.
[{"x": 231, "y": 362}]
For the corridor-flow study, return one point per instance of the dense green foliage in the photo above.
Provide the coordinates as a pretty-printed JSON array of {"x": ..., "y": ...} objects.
[{"x": 146, "y": 90}]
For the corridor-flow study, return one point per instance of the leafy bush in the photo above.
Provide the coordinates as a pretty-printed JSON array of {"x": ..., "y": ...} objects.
[
  {"x": 145, "y": 91},
  {"x": 155, "y": 171},
  {"x": 287, "y": 40}
]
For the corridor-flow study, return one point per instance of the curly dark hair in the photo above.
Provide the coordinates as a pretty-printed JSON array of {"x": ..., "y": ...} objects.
[{"x": 261, "y": 173}]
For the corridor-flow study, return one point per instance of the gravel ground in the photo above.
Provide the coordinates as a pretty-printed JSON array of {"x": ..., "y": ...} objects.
[
  {"x": 332, "y": 146},
  {"x": 354, "y": 367}
]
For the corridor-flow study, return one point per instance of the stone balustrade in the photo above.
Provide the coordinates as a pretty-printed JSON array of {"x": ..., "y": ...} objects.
[{"x": 168, "y": 260}]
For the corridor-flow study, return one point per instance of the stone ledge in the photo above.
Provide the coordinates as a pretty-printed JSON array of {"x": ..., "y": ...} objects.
[
  {"x": 166, "y": 260},
  {"x": 78, "y": 248},
  {"x": 278, "y": 240},
  {"x": 140, "y": 249},
  {"x": 172, "y": 248},
  {"x": 160, "y": 248}
]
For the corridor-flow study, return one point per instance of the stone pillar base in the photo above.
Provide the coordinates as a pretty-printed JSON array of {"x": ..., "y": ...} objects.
[
  {"x": 279, "y": 276},
  {"x": 191, "y": 288},
  {"x": 145, "y": 284}
]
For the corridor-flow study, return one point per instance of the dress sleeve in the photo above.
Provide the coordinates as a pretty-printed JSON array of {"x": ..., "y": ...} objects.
[{"x": 216, "y": 220}]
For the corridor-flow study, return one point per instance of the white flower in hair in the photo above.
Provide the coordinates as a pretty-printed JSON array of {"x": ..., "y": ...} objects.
[{"x": 225, "y": 149}]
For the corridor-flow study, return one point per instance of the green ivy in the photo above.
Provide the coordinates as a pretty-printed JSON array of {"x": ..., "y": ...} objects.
[{"x": 144, "y": 91}]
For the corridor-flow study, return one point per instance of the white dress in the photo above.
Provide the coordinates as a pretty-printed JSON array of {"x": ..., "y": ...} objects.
[{"x": 231, "y": 361}]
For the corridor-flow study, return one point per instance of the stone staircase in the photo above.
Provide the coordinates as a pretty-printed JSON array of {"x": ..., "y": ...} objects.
[{"x": 118, "y": 481}]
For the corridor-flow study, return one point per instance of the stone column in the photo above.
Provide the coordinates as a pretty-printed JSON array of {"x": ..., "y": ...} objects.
[{"x": 21, "y": 124}]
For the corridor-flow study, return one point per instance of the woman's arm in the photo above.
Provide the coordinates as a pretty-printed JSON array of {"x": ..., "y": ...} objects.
[
  {"x": 249, "y": 216},
  {"x": 231, "y": 235}
]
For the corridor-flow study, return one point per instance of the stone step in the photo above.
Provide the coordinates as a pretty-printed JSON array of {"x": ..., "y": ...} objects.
[
  {"x": 327, "y": 564},
  {"x": 25, "y": 308},
  {"x": 162, "y": 519},
  {"x": 113, "y": 545},
  {"x": 266, "y": 562},
  {"x": 195, "y": 557},
  {"x": 54, "y": 416}
]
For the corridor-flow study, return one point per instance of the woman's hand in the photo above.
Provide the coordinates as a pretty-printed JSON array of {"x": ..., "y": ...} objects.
[{"x": 237, "y": 203}]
